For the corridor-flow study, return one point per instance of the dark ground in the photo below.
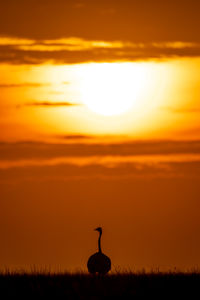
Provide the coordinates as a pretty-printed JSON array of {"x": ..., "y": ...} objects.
[{"x": 118, "y": 286}]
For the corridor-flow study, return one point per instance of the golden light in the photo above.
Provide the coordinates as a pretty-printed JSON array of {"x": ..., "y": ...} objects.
[
  {"x": 113, "y": 88},
  {"x": 132, "y": 98},
  {"x": 111, "y": 98}
]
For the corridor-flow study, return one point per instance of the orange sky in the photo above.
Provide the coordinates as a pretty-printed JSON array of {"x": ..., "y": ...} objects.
[{"x": 99, "y": 126}]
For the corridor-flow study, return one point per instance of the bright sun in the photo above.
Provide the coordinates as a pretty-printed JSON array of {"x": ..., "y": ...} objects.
[{"x": 112, "y": 88}]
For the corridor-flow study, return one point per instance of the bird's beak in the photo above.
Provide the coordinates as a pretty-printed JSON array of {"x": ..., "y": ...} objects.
[{"x": 96, "y": 229}]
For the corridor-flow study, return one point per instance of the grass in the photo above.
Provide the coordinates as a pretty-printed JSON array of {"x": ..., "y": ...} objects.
[{"x": 141, "y": 285}]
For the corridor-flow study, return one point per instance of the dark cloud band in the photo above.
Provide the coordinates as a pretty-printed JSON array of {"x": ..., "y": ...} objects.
[{"x": 76, "y": 50}]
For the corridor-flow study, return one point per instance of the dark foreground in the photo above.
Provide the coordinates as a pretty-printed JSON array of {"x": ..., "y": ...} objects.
[{"x": 82, "y": 286}]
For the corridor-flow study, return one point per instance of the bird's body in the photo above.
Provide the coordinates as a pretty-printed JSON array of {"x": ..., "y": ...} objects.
[{"x": 99, "y": 262}]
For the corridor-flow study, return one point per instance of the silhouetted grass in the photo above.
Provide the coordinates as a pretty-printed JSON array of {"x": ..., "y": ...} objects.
[{"x": 127, "y": 285}]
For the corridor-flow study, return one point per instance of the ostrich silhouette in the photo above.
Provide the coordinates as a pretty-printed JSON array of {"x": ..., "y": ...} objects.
[{"x": 99, "y": 262}]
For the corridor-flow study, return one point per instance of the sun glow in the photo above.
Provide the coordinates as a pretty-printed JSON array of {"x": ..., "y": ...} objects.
[
  {"x": 114, "y": 88},
  {"x": 132, "y": 98}
]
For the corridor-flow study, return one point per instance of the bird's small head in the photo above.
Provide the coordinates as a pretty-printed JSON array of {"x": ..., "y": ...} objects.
[{"x": 99, "y": 229}]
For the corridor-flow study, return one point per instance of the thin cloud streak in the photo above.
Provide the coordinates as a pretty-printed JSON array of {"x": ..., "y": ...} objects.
[
  {"x": 75, "y": 137},
  {"x": 24, "y": 84},
  {"x": 48, "y": 104},
  {"x": 70, "y": 44}
]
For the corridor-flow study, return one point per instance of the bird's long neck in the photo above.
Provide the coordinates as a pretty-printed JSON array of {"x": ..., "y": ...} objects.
[{"x": 99, "y": 242}]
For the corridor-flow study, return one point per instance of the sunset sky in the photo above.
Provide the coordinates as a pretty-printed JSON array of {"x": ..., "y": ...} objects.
[{"x": 100, "y": 126}]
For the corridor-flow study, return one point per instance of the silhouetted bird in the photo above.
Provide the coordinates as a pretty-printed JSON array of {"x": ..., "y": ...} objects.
[{"x": 99, "y": 262}]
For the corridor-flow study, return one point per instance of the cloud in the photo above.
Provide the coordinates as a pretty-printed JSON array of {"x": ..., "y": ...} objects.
[
  {"x": 77, "y": 50},
  {"x": 101, "y": 162},
  {"x": 60, "y": 170},
  {"x": 34, "y": 150},
  {"x": 69, "y": 44},
  {"x": 48, "y": 104},
  {"x": 138, "y": 161},
  {"x": 75, "y": 137},
  {"x": 24, "y": 84}
]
